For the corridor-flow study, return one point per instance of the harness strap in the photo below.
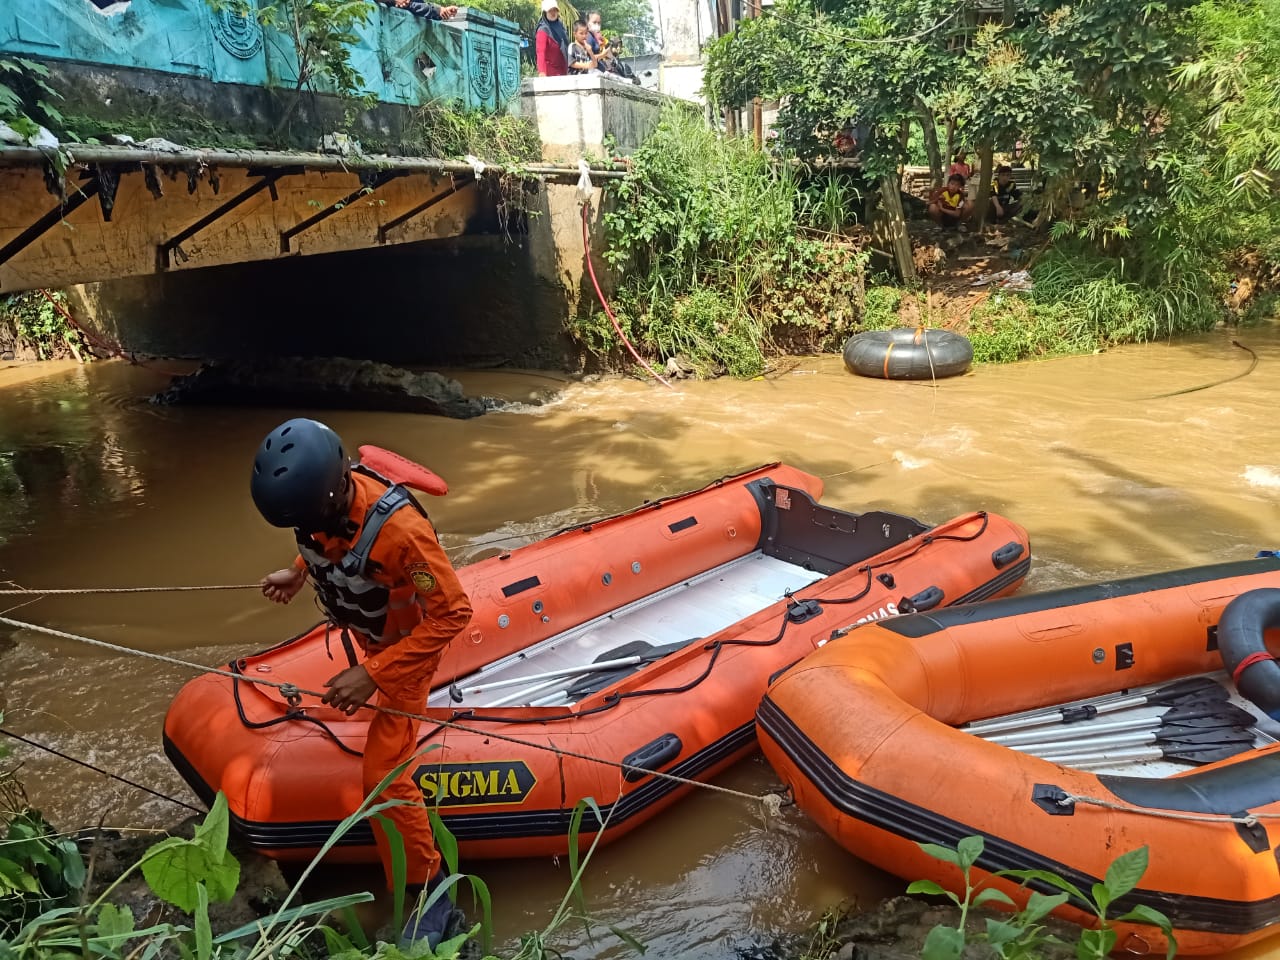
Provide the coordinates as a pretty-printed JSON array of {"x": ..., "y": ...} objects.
[
  {"x": 357, "y": 557},
  {"x": 349, "y": 647}
]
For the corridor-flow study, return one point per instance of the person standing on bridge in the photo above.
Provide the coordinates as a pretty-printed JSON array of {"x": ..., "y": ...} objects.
[
  {"x": 422, "y": 8},
  {"x": 552, "y": 42},
  {"x": 379, "y": 574}
]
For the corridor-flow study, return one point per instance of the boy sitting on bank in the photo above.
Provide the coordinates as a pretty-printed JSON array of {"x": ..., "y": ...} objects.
[
  {"x": 1006, "y": 198},
  {"x": 949, "y": 206}
]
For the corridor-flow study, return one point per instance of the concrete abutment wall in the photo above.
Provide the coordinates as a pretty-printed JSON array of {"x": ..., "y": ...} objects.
[{"x": 478, "y": 300}]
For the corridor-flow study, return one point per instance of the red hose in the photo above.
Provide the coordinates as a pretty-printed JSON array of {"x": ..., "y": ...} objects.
[
  {"x": 586, "y": 246},
  {"x": 102, "y": 345},
  {"x": 112, "y": 349}
]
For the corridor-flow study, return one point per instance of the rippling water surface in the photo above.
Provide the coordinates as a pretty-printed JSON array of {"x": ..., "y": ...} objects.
[{"x": 99, "y": 488}]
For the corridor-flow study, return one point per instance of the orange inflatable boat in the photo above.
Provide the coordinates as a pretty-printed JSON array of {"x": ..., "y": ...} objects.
[
  {"x": 1064, "y": 728},
  {"x": 645, "y": 640}
]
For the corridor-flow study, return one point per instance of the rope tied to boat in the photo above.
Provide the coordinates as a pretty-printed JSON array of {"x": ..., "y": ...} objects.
[
  {"x": 1247, "y": 820},
  {"x": 770, "y": 803}
]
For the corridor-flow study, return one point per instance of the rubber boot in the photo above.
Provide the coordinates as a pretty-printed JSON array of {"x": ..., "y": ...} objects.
[{"x": 433, "y": 921}]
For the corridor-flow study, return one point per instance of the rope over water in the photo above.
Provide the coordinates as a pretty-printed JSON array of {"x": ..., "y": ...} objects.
[
  {"x": 770, "y": 802},
  {"x": 78, "y": 591},
  {"x": 106, "y": 773}
]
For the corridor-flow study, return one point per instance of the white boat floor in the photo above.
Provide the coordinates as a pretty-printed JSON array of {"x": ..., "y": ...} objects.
[
  {"x": 1116, "y": 762},
  {"x": 694, "y": 608}
]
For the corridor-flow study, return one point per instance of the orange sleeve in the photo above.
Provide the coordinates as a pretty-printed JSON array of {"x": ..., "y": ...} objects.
[
  {"x": 299, "y": 563},
  {"x": 414, "y": 558}
]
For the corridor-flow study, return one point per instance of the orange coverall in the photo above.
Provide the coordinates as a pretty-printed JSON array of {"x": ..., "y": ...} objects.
[{"x": 428, "y": 601}]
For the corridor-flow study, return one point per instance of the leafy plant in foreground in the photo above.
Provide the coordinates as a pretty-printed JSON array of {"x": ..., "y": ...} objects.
[
  {"x": 1022, "y": 936},
  {"x": 39, "y": 868}
]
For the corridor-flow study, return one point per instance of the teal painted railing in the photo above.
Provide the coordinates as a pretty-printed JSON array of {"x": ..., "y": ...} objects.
[{"x": 473, "y": 59}]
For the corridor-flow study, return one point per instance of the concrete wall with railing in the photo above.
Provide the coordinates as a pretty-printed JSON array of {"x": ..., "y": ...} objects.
[{"x": 472, "y": 60}]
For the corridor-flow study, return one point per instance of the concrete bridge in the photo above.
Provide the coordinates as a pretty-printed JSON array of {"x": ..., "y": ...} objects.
[{"x": 157, "y": 210}]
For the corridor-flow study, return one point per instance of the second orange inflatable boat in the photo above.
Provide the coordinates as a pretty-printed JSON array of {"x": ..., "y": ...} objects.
[
  {"x": 645, "y": 640},
  {"x": 1126, "y": 731}
]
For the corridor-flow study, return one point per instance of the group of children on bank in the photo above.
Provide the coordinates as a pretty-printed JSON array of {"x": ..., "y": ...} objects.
[
  {"x": 589, "y": 51},
  {"x": 950, "y": 206}
]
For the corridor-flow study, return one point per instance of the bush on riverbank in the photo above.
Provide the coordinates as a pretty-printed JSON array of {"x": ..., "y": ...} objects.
[
  {"x": 1082, "y": 303},
  {"x": 33, "y": 328},
  {"x": 716, "y": 269}
]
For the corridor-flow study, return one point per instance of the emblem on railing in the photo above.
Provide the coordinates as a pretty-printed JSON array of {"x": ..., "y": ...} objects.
[
  {"x": 240, "y": 36},
  {"x": 508, "y": 72},
  {"x": 480, "y": 66}
]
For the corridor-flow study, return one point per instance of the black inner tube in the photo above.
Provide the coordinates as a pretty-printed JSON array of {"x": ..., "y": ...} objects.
[
  {"x": 1241, "y": 633},
  {"x": 908, "y": 354}
]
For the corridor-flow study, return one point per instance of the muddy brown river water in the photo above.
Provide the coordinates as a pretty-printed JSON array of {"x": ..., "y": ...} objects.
[{"x": 99, "y": 488}]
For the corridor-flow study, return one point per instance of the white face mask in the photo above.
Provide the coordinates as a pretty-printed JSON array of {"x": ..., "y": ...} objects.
[{"x": 593, "y": 27}]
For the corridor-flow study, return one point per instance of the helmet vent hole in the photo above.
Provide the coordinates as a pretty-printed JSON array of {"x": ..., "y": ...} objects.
[
  {"x": 285, "y": 431},
  {"x": 267, "y": 445},
  {"x": 286, "y": 448},
  {"x": 280, "y": 471}
]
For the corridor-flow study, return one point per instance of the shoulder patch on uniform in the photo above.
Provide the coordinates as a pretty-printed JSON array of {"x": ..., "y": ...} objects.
[{"x": 424, "y": 580}]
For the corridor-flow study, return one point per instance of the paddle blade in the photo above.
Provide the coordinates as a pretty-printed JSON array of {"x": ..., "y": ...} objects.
[
  {"x": 1219, "y": 713},
  {"x": 1190, "y": 687},
  {"x": 1205, "y": 754},
  {"x": 591, "y": 683}
]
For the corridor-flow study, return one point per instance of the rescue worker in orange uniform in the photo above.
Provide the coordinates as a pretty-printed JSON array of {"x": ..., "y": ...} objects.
[{"x": 381, "y": 577}]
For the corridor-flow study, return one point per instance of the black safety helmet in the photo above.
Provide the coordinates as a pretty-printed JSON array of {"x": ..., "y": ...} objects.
[{"x": 300, "y": 476}]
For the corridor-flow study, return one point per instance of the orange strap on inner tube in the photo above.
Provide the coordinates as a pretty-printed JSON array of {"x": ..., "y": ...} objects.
[
  {"x": 1248, "y": 662},
  {"x": 919, "y": 337},
  {"x": 886, "y": 361}
]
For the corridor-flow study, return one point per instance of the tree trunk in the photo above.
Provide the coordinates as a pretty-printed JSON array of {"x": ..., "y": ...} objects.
[
  {"x": 895, "y": 226},
  {"x": 951, "y": 143},
  {"x": 751, "y": 10},
  {"x": 983, "y": 200},
  {"x": 929, "y": 126}
]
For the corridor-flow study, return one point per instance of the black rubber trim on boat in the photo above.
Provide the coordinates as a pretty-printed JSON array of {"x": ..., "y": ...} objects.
[
  {"x": 995, "y": 585},
  {"x": 506, "y": 825},
  {"x": 1246, "y": 785},
  {"x": 902, "y": 818},
  {"x": 921, "y": 625},
  {"x": 762, "y": 493}
]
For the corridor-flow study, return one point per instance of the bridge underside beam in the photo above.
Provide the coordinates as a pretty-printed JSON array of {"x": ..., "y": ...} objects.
[
  {"x": 444, "y": 194},
  {"x": 83, "y": 193},
  {"x": 367, "y": 187},
  {"x": 267, "y": 181}
]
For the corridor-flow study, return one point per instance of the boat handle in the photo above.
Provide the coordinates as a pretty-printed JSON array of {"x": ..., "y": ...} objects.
[
  {"x": 651, "y": 756},
  {"x": 926, "y": 599},
  {"x": 1003, "y": 556}
]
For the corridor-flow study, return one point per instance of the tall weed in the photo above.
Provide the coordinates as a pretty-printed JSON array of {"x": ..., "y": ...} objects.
[{"x": 705, "y": 235}]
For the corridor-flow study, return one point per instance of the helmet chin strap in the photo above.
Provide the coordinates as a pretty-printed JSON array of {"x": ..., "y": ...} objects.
[{"x": 338, "y": 523}]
